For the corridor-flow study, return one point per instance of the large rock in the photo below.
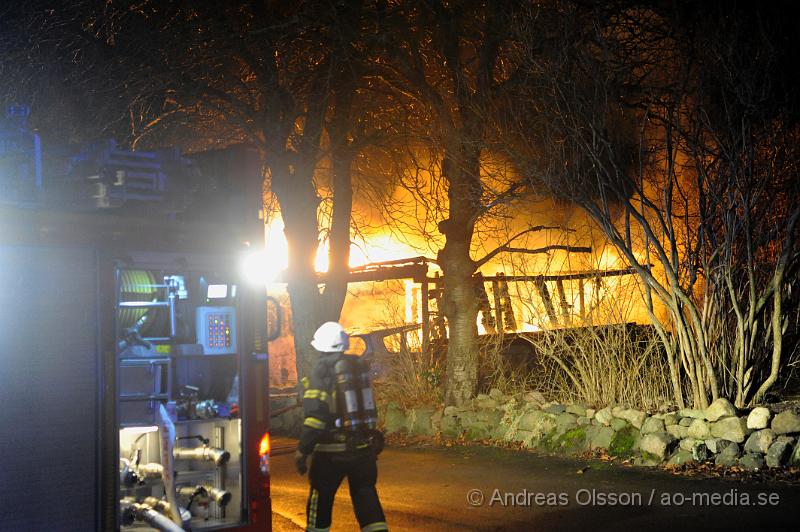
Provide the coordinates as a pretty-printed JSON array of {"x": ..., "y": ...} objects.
[
  {"x": 534, "y": 397},
  {"x": 578, "y": 410},
  {"x": 658, "y": 444},
  {"x": 719, "y": 409},
  {"x": 700, "y": 452},
  {"x": 758, "y": 418},
  {"x": 573, "y": 441},
  {"x": 759, "y": 441},
  {"x": 692, "y": 413},
  {"x": 554, "y": 408},
  {"x": 670, "y": 418},
  {"x": 529, "y": 420},
  {"x": 538, "y": 423},
  {"x": 497, "y": 395},
  {"x": 697, "y": 449},
  {"x": 632, "y": 416},
  {"x": 395, "y": 420},
  {"x": 485, "y": 402},
  {"x": 717, "y": 445},
  {"x": 624, "y": 442},
  {"x": 794, "y": 460},
  {"x": 499, "y": 432},
  {"x": 450, "y": 427},
  {"x": 730, "y": 428},
  {"x": 604, "y": 416},
  {"x": 786, "y": 422},
  {"x": 565, "y": 422},
  {"x": 678, "y": 431},
  {"x": 680, "y": 457},
  {"x": 421, "y": 421},
  {"x": 495, "y": 417},
  {"x": 599, "y": 437},
  {"x": 436, "y": 421},
  {"x": 779, "y": 452},
  {"x": 729, "y": 456},
  {"x": 699, "y": 430},
  {"x": 752, "y": 462},
  {"x": 524, "y": 436},
  {"x": 618, "y": 424},
  {"x": 474, "y": 428},
  {"x": 652, "y": 424}
]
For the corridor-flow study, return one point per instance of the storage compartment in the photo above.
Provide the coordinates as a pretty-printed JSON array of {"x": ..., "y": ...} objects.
[
  {"x": 145, "y": 377},
  {"x": 193, "y": 328},
  {"x": 136, "y": 413}
]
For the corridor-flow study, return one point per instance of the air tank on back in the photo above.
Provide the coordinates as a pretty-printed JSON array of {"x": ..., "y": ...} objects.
[{"x": 354, "y": 397}]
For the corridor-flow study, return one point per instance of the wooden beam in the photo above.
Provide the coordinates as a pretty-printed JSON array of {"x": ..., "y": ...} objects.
[
  {"x": 426, "y": 317},
  {"x": 544, "y": 293},
  {"x": 498, "y": 308},
  {"x": 592, "y": 274},
  {"x": 565, "y": 307}
]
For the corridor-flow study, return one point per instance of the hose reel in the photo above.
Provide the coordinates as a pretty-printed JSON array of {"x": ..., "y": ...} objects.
[{"x": 137, "y": 286}]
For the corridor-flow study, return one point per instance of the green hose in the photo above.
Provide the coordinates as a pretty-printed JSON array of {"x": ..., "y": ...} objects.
[{"x": 137, "y": 285}]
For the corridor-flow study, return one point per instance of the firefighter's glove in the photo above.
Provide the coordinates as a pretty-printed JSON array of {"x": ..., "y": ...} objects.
[
  {"x": 377, "y": 441},
  {"x": 300, "y": 462}
]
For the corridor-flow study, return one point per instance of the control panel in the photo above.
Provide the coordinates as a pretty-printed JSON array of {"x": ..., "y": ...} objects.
[{"x": 216, "y": 330}]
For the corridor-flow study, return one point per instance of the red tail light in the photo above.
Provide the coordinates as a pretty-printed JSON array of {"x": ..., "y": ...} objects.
[
  {"x": 263, "y": 453},
  {"x": 263, "y": 447}
]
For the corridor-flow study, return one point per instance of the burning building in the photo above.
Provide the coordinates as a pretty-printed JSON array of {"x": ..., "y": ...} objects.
[{"x": 564, "y": 276}]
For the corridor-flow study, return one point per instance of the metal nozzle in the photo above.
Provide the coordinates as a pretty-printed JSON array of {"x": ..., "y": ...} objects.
[
  {"x": 131, "y": 475},
  {"x": 221, "y": 497},
  {"x": 218, "y": 456},
  {"x": 189, "y": 492},
  {"x": 133, "y": 511},
  {"x": 164, "y": 507},
  {"x": 152, "y": 470}
]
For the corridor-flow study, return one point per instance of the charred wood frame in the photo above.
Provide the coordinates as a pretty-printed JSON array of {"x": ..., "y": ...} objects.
[{"x": 500, "y": 318}]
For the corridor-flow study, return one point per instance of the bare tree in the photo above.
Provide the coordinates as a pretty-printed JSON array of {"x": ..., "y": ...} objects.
[
  {"x": 675, "y": 148},
  {"x": 454, "y": 64},
  {"x": 280, "y": 77}
]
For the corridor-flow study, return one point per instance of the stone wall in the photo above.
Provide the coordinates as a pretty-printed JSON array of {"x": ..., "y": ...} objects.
[
  {"x": 289, "y": 419},
  {"x": 718, "y": 434}
]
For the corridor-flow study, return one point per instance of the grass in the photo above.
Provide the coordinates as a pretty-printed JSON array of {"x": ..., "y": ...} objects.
[
  {"x": 599, "y": 366},
  {"x": 412, "y": 379}
]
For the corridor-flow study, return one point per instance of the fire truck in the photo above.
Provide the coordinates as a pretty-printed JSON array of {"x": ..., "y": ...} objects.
[{"x": 133, "y": 362}]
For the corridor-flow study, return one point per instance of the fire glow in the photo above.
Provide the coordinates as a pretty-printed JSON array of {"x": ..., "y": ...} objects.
[{"x": 379, "y": 248}]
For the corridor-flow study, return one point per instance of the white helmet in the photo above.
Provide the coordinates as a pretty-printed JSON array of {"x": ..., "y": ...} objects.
[{"x": 331, "y": 338}]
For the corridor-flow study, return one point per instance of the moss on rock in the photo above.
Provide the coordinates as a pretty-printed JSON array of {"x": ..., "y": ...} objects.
[
  {"x": 573, "y": 441},
  {"x": 624, "y": 442}
]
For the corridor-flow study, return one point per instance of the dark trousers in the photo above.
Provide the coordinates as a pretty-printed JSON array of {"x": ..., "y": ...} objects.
[{"x": 326, "y": 474}]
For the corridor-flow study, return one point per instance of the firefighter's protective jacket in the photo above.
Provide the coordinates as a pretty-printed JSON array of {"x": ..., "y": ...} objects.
[
  {"x": 319, "y": 407},
  {"x": 336, "y": 455}
]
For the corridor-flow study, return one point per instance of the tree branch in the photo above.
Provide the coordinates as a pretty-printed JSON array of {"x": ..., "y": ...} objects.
[{"x": 505, "y": 247}]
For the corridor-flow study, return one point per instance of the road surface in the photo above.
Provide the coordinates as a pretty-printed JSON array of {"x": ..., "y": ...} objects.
[{"x": 479, "y": 488}]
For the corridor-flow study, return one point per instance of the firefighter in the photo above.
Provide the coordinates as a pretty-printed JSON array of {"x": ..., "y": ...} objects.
[{"x": 333, "y": 433}]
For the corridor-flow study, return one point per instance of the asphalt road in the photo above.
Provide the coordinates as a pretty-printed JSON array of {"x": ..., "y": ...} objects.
[{"x": 434, "y": 489}]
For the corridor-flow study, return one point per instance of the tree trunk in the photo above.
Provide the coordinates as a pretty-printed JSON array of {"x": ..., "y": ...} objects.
[
  {"x": 298, "y": 204},
  {"x": 339, "y": 240},
  {"x": 461, "y": 311},
  {"x": 461, "y": 168},
  {"x": 342, "y": 156}
]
